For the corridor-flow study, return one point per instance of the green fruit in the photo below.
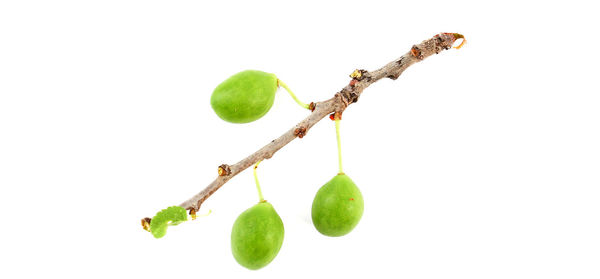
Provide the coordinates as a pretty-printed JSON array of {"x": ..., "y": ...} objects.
[
  {"x": 245, "y": 96},
  {"x": 257, "y": 236},
  {"x": 337, "y": 207}
]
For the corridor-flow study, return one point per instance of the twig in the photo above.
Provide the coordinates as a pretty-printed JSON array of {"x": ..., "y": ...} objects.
[{"x": 361, "y": 79}]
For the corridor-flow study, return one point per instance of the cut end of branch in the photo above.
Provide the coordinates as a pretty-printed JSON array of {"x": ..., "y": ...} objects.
[
  {"x": 459, "y": 36},
  {"x": 146, "y": 223},
  {"x": 446, "y": 40}
]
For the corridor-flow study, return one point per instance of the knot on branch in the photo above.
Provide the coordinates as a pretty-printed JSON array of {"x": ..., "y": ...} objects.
[
  {"x": 394, "y": 76},
  {"x": 300, "y": 132},
  {"x": 146, "y": 223},
  {"x": 224, "y": 170},
  {"x": 416, "y": 52},
  {"x": 360, "y": 74},
  {"x": 348, "y": 96},
  {"x": 312, "y": 106}
]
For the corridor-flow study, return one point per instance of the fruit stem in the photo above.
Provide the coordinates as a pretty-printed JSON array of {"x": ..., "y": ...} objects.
[
  {"x": 260, "y": 196},
  {"x": 280, "y": 82},
  {"x": 339, "y": 145}
]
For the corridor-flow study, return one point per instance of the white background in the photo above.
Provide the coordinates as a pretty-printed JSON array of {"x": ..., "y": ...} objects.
[{"x": 482, "y": 162}]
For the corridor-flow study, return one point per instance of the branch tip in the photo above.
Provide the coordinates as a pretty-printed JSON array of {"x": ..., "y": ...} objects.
[
  {"x": 146, "y": 223},
  {"x": 459, "y": 36},
  {"x": 451, "y": 37}
]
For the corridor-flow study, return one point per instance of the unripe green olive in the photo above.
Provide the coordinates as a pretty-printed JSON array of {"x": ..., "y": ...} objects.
[
  {"x": 257, "y": 236},
  {"x": 337, "y": 207},
  {"x": 245, "y": 96}
]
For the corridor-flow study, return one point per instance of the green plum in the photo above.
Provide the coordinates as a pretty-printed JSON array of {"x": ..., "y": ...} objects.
[
  {"x": 337, "y": 207},
  {"x": 257, "y": 236},
  {"x": 245, "y": 96}
]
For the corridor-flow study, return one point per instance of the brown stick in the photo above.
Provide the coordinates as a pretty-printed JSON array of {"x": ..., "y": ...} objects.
[{"x": 361, "y": 79}]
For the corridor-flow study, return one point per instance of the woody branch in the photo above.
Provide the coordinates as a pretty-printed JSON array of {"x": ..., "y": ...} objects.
[{"x": 361, "y": 79}]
